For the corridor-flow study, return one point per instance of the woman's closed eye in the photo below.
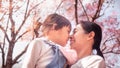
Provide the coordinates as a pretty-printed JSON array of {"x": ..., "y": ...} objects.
[{"x": 74, "y": 31}]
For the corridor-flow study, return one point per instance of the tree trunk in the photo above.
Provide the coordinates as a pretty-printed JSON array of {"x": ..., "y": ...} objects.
[
  {"x": 8, "y": 66},
  {"x": 9, "y": 63}
]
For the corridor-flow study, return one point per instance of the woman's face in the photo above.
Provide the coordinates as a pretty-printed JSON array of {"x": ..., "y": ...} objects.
[{"x": 78, "y": 39}]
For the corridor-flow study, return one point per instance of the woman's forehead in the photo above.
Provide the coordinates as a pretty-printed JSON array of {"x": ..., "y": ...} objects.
[{"x": 78, "y": 26}]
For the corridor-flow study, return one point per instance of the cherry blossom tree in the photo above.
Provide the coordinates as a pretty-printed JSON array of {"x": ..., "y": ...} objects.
[
  {"x": 10, "y": 11},
  {"x": 98, "y": 11}
]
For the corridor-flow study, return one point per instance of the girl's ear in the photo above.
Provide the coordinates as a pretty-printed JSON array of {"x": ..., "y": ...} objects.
[{"x": 91, "y": 35}]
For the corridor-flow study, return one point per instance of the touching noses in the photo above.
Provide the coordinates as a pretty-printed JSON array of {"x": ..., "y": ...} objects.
[{"x": 71, "y": 37}]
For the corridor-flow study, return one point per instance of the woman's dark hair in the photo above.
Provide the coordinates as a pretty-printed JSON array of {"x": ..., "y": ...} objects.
[
  {"x": 57, "y": 20},
  {"x": 91, "y": 26}
]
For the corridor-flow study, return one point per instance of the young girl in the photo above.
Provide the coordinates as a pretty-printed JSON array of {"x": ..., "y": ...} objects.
[{"x": 48, "y": 51}]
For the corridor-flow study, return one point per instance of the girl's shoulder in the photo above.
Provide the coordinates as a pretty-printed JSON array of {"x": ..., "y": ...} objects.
[{"x": 40, "y": 42}]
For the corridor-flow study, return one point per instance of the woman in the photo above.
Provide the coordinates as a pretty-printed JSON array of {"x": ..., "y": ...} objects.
[
  {"x": 86, "y": 38},
  {"x": 45, "y": 52}
]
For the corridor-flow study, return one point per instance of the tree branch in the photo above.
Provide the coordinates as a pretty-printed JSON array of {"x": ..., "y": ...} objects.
[
  {"x": 58, "y": 6},
  {"x": 76, "y": 13},
  {"x": 18, "y": 7},
  {"x": 97, "y": 14},
  {"x": 2, "y": 48},
  {"x": 107, "y": 6},
  {"x": 21, "y": 35},
  {"x": 11, "y": 19},
  {"x": 111, "y": 52},
  {"x": 26, "y": 15},
  {"x": 2, "y": 17},
  {"x": 84, "y": 10},
  {"x": 18, "y": 56},
  {"x": 5, "y": 33},
  {"x": 3, "y": 54}
]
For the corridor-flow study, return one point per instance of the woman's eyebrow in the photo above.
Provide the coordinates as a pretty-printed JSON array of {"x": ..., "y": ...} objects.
[{"x": 74, "y": 30}]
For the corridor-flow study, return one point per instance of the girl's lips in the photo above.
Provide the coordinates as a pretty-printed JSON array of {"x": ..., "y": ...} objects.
[{"x": 71, "y": 41}]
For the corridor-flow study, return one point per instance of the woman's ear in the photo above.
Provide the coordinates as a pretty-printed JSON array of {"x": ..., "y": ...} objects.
[{"x": 91, "y": 35}]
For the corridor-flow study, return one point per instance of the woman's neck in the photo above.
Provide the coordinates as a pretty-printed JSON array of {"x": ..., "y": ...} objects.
[{"x": 84, "y": 52}]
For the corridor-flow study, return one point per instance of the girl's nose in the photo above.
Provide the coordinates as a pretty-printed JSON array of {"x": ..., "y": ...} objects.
[{"x": 71, "y": 36}]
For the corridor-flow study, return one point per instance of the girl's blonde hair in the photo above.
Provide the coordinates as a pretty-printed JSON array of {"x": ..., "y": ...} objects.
[{"x": 54, "y": 20}]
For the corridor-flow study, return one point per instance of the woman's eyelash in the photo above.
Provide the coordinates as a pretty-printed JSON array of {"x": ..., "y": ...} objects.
[{"x": 74, "y": 31}]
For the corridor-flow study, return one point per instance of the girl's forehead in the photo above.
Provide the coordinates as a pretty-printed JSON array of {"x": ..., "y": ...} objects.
[{"x": 67, "y": 27}]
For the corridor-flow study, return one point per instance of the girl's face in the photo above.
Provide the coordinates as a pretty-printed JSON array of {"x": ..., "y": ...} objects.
[
  {"x": 63, "y": 35},
  {"x": 78, "y": 39}
]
